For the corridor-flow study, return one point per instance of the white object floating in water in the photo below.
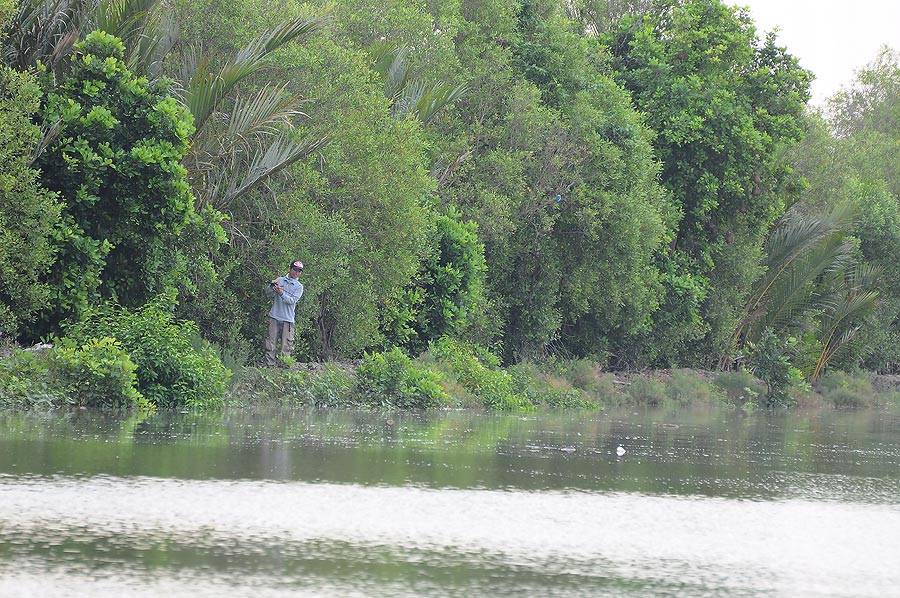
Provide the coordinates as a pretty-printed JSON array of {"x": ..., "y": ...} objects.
[{"x": 620, "y": 451}]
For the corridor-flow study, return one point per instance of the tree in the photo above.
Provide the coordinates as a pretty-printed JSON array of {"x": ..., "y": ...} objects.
[
  {"x": 798, "y": 252},
  {"x": 560, "y": 176},
  {"x": 29, "y": 213},
  {"x": 358, "y": 213},
  {"x": 241, "y": 139},
  {"x": 41, "y": 31},
  {"x": 814, "y": 287},
  {"x": 850, "y": 155},
  {"x": 448, "y": 289},
  {"x": 115, "y": 160},
  {"x": 411, "y": 96},
  {"x": 600, "y": 16},
  {"x": 722, "y": 104}
]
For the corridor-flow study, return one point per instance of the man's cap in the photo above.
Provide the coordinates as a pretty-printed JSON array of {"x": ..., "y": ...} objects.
[{"x": 298, "y": 265}]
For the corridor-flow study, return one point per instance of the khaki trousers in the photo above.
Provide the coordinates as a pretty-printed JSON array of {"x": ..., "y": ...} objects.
[{"x": 286, "y": 330}]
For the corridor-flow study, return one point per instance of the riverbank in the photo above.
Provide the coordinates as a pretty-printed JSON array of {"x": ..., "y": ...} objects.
[
  {"x": 449, "y": 375},
  {"x": 578, "y": 384}
]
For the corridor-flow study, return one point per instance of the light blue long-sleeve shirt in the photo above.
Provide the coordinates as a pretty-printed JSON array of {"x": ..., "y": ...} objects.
[{"x": 284, "y": 307}]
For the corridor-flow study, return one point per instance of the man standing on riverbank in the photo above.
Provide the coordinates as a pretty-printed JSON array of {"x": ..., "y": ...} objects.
[{"x": 287, "y": 290}]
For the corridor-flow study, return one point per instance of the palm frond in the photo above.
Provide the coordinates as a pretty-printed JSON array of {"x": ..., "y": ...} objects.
[
  {"x": 792, "y": 292},
  {"x": 839, "y": 323},
  {"x": 46, "y": 31},
  {"x": 292, "y": 30},
  {"x": 250, "y": 123},
  {"x": 279, "y": 154},
  {"x": 270, "y": 106},
  {"x": 42, "y": 31},
  {"x": 802, "y": 253},
  {"x": 205, "y": 91},
  {"x": 431, "y": 102},
  {"x": 410, "y": 96},
  {"x": 797, "y": 234}
]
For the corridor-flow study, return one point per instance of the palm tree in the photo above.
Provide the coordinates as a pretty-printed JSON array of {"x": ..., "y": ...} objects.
[
  {"x": 852, "y": 298},
  {"x": 241, "y": 139},
  {"x": 811, "y": 274},
  {"x": 45, "y": 31}
]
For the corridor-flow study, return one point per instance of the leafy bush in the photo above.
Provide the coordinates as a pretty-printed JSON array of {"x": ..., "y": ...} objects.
[
  {"x": 585, "y": 374},
  {"x": 98, "y": 373},
  {"x": 846, "y": 391},
  {"x": 331, "y": 388},
  {"x": 769, "y": 357},
  {"x": 444, "y": 294},
  {"x": 477, "y": 370},
  {"x": 740, "y": 387},
  {"x": 393, "y": 379},
  {"x": 267, "y": 386},
  {"x": 115, "y": 162},
  {"x": 171, "y": 373},
  {"x": 686, "y": 387},
  {"x": 646, "y": 391},
  {"x": 539, "y": 388},
  {"x": 26, "y": 382},
  {"x": 28, "y": 212}
]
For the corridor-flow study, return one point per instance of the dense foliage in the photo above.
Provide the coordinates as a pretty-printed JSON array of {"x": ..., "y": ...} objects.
[
  {"x": 721, "y": 103},
  {"x": 29, "y": 214},
  {"x": 114, "y": 158},
  {"x": 492, "y": 183},
  {"x": 175, "y": 368}
]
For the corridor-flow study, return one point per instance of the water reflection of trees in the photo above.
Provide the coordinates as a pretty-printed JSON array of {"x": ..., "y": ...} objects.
[{"x": 703, "y": 452}]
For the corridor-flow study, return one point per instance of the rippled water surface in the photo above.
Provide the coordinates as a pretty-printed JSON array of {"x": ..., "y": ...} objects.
[{"x": 338, "y": 503}]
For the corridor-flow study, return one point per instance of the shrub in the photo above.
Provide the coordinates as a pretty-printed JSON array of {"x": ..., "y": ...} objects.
[
  {"x": 846, "y": 391},
  {"x": 539, "y": 388},
  {"x": 331, "y": 388},
  {"x": 687, "y": 387},
  {"x": 646, "y": 391},
  {"x": 447, "y": 290},
  {"x": 477, "y": 371},
  {"x": 26, "y": 382},
  {"x": 587, "y": 375},
  {"x": 115, "y": 162},
  {"x": 171, "y": 373},
  {"x": 28, "y": 212},
  {"x": 267, "y": 386},
  {"x": 98, "y": 373},
  {"x": 393, "y": 379},
  {"x": 770, "y": 360},
  {"x": 740, "y": 387}
]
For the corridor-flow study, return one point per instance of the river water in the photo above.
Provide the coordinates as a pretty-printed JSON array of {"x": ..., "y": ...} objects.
[{"x": 342, "y": 503}]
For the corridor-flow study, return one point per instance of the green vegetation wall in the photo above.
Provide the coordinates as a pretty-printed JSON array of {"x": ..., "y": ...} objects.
[
  {"x": 115, "y": 160},
  {"x": 359, "y": 214},
  {"x": 722, "y": 104},
  {"x": 545, "y": 153},
  {"x": 602, "y": 187},
  {"x": 29, "y": 213},
  {"x": 851, "y": 155}
]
